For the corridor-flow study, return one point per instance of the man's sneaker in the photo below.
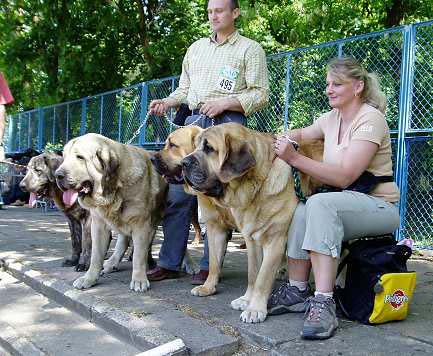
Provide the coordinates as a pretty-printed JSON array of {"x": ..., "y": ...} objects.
[
  {"x": 320, "y": 318},
  {"x": 287, "y": 298}
]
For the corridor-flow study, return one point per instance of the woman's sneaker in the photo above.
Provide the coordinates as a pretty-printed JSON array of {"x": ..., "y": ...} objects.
[
  {"x": 320, "y": 318},
  {"x": 288, "y": 299}
]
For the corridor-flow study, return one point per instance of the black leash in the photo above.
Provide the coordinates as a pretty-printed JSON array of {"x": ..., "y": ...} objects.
[{"x": 297, "y": 178}]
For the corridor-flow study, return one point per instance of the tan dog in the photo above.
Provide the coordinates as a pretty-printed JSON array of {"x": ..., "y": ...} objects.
[
  {"x": 218, "y": 220},
  {"x": 237, "y": 169},
  {"x": 122, "y": 191}
]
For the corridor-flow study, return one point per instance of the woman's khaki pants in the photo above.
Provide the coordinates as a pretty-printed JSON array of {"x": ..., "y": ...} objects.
[{"x": 328, "y": 219}]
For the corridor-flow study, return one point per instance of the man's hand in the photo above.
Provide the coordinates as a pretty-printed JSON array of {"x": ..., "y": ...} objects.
[
  {"x": 214, "y": 108},
  {"x": 159, "y": 107}
]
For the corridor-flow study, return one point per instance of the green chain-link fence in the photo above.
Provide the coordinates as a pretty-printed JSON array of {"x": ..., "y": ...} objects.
[{"x": 402, "y": 57}]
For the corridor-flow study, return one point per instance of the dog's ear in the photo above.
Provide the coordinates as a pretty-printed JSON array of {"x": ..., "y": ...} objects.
[
  {"x": 108, "y": 160},
  {"x": 237, "y": 161},
  {"x": 195, "y": 133},
  {"x": 52, "y": 161}
]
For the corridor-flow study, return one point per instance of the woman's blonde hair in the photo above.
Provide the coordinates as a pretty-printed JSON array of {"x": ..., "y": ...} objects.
[{"x": 349, "y": 67}]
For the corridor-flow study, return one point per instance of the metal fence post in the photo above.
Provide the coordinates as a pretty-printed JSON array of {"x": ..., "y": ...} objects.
[
  {"x": 19, "y": 132},
  {"x": 287, "y": 91},
  {"x": 11, "y": 136},
  {"x": 29, "y": 131},
  {"x": 405, "y": 102},
  {"x": 119, "y": 127},
  {"x": 83, "y": 116},
  {"x": 143, "y": 110},
  {"x": 40, "y": 128},
  {"x": 67, "y": 124},
  {"x": 340, "y": 50},
  {"x": 53, "y": 137},
  {"x": 101, "y": 116}
]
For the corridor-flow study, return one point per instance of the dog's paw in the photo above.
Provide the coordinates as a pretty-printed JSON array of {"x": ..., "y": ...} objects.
[
  {"x": 240, "y": 304},
  {"x": 139, "y": 286},
  {"x": 84, "y": 282},
  {"x": 203, "y": 291},
  {"x": 110, "y": 266},
  {"x": 253, "y": 316},
  {"x": 70, "y": 262},
  {"x": 83, "y": 264},
  {"x": 81, "y": 267}
]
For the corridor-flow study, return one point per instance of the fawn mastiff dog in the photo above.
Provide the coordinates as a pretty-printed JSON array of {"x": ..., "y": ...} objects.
[
  {"x": 237, "y": 170},
  {"x": 119, "y": 186},
  {"x": 40, "y": 182},
  {"x": 218, "y": 220}
]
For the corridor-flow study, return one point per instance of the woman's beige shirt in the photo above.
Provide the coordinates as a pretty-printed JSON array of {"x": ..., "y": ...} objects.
[{"x": 368, "y": 125}]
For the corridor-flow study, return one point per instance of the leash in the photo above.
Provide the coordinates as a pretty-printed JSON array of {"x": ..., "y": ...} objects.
[
  {"x": 13, "y": 164},
  {"x": 136, "y": 133},
  {"x": 146, "y": 118},
  {"x": 297, "y": 177}
]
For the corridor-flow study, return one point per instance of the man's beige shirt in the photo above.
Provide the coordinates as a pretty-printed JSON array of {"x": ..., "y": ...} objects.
[
  {"x": 368, "y": 125},
  {"x": 234, "y": 68}
]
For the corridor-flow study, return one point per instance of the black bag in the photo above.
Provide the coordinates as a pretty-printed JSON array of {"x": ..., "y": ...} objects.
[
  {"x": 375, "y": 267},
  {"x": 364, "y": 184}
]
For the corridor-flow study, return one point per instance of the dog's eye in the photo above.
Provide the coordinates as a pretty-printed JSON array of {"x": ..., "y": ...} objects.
[
  {"x": 80, "y": 157},
  {"x": 172, "y": 145},
  {"x": 207, "y": 149}
]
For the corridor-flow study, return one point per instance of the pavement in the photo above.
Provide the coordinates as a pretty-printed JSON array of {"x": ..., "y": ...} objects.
[{"x": 40, "y": 310}]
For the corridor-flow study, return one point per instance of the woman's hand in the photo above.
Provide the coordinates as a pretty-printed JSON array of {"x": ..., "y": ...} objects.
[{"x": 284, "y": 148}]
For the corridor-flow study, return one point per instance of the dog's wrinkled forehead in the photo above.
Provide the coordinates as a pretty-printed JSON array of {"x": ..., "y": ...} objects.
[
  {"x": 81, "y": 146},
  {"x": 213, "y": 139},
  {"x": 184, "y": 137},
  {"x": 37, "y": 162}
]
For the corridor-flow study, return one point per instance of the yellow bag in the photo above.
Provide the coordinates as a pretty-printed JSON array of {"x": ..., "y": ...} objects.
[
  {"x": 377, "y": 285},
  {"x": 395, "y": 293}
]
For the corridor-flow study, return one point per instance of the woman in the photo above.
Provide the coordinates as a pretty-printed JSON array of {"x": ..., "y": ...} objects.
[
  {"x": 5, "y": 98},
  {"x": 356, "y": 140}
]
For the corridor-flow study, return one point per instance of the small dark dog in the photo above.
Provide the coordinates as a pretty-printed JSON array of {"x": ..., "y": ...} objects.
[
  {"x": 11, "y": 179},
  {"x": 41, "y": 182}
]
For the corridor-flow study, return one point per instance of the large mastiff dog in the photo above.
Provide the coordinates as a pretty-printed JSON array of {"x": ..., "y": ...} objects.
[
  {"x": 119, "y": 186},
  {"x": 237, "y": 170},
  {"x": 218, "y": 220},
  {"x": 40, "y": 182}
]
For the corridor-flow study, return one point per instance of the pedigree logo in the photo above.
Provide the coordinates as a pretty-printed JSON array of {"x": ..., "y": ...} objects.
[{"x": 397, "y": 299}]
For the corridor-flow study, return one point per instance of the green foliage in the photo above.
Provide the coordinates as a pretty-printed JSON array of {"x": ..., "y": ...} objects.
[
  {"x": 53, "y": 51},
  {"x": 51, "y": 147},
  {"x": 60, "y": 50}
]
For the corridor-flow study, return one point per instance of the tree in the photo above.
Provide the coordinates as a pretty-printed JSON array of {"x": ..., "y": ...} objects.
[{"x": 54, "y": 51}]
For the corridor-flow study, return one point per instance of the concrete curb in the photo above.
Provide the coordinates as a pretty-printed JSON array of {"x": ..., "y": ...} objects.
[
  {"x": 124, "y": 326},
  {"x": 170, "y": 348},
  {"x": 16, "y": 344}
]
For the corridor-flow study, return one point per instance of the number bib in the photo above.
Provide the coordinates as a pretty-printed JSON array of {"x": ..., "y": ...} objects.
[{"x": 227, "y": 78}]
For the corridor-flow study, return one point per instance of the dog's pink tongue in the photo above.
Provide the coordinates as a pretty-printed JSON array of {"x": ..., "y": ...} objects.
[
  {"x": 32, "y": 200},
  {"x": 69, "y": 197}
]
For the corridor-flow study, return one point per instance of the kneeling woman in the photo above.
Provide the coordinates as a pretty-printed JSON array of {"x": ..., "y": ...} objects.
[{"x": 356, "y": 142}]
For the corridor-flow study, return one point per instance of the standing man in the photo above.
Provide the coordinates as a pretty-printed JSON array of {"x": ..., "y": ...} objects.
[{"x": 224, "y": 79}]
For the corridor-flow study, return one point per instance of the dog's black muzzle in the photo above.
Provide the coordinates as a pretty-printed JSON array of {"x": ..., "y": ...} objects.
[
  {"x": 161, "y": 167},
  {"x": 198, "y": 179}
]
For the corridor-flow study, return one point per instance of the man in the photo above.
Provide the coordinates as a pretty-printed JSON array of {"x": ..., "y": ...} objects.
[{"x": 224, "y": 79}]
